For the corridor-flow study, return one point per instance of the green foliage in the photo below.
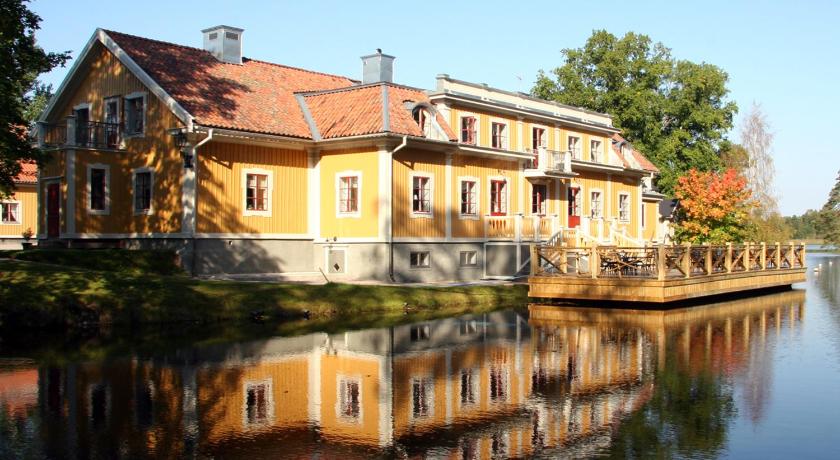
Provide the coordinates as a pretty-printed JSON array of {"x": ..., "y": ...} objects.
[
  {"x": 734, "y": 156},
  {"x": 829, "y": 223},
  {"x": 674, "y": 111},
  {"x": 123, "y": 261},
  {"x": 806, "y": 226},
  {"x": 21, "y": 61},
  {"x": 772, "y": 228}
]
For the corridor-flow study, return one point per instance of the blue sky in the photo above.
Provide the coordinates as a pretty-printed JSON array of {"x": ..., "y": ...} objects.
[{"x": 783, "y": 55}]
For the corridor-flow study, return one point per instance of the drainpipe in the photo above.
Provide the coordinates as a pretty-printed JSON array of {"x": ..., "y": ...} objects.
[
  {"x": 207, "y": 139},
  {"x": 391, "y": 227}
]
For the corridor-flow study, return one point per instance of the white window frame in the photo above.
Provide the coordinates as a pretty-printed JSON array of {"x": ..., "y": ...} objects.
[
  {"x": 338, "y": 412},
  {"x": 475, "y": 383},
  {"x": 476, "y": 191},
  {"x": 270, "y": 190},
  {"x": 269, "y": 419},
  {"x": 579, "y": 145},
  {"x": 546, "y": 133},
  {"x": 474, "y": 262},
  {"x": 107, "y": 197},
  {"x": 598, "y": 153},
  {"x": 461, "y": 117},
  {"x": 545, "y": 202},
  {"x": 629, "y": 206},
  {"x": 105, "y": 101},
  {"x": 416, "y": 214},
  {"x": 151, "y": 210},
  {"x": 502, "y": 121},
  {"x": 428, "y": 264},
  {"x": 429, "y": 388},
  {"x": 135, "y": 95},
  {"x": 19, "y": 212},
  {"x": 358, "y": 212},
  {"x": 508, "y": 182},
  {"x": 601, "y": 206}
]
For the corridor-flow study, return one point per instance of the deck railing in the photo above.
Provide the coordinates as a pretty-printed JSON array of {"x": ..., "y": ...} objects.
[
  {"x": 663, "y": 262},
  {"x": 76, "y": 133}
]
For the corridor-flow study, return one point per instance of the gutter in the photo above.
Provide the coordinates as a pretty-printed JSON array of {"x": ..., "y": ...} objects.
[{"x": 391, "y": 211}]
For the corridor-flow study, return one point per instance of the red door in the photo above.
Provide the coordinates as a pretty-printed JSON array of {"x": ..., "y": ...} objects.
[
  {"x": 53, "y": 204},
  {"x": 574, "y": 207}
]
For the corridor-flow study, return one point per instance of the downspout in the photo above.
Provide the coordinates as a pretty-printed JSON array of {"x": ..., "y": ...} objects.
[
  {"x": 391, "y": 211},
  {"x": 207, "y": 139}
]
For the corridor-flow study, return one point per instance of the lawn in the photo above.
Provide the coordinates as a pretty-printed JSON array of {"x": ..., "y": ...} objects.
[{"x": 67, "y": 288}]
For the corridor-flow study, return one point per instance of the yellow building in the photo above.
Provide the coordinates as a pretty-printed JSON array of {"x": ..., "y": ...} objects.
[
  {"x": 244, "y": 166},
  {"x": 18, "y": 212}
]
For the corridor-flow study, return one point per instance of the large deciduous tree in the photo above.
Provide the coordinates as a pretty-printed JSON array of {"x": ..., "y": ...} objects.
[
  {"x": 713, "y": 207},
  {"x": 675, "y": 111},
  {"x": 21, "y": 61},
  {"x": 830, "y": 216}
]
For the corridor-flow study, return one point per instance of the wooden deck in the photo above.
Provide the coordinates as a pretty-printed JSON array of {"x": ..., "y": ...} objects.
[{"x": 661, "y": 274}]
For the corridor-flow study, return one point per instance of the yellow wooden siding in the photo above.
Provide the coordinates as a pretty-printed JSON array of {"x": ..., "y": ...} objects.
[
  {"x": 630, "y": 186},
  {"x": 651, "y": 220},
  {"x": 482, "y": 169},
  {"x": 221, "y": 191},
  {"x": 485, "y": 120},
  {"x": 27, "y": 197},
  {"x": 430, "y": 367},
  {"x": 410, "y": 162},
  {"x": 54, "y": 167},
  {"x": 364, "y": 429},
  {"x": 364, "y": 161}
]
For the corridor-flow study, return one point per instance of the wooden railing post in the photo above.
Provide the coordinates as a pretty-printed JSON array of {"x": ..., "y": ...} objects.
[
  {"x": 747, "y": 256},
  {"x": 564, "y": 261},
  {"x": 594, "y": 263},
  {"x": 728, "y": 260},
  {"x": 708, "y": 259},
  {"x": 686, "y": 260},
  {"x": 660, "y": 262},
  {"x": 763, "y": 255},
  {"x": 535, "y": 259},
  {"x": 778, "y": 255},
  {"x": 792, "y": 255}
]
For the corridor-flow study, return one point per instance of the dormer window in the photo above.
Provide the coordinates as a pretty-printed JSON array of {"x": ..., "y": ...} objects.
[{"x": 423, "y": 119}]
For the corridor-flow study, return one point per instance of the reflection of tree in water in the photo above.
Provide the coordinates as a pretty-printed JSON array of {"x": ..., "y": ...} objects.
[{"x": 687, "y": 416}]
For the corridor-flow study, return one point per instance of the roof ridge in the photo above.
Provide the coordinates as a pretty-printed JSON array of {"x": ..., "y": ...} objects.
[
  {"x": 153, "y": 40},
  {"x": 324, "y": 92}
]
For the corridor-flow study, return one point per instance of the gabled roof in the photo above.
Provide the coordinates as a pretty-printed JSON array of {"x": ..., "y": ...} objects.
[
  {"x": 28, "y": 173},
  {"x": 637, "y": 161},
  {"x": 368, "y": 109},
  {"x": 255, "y": 96}
]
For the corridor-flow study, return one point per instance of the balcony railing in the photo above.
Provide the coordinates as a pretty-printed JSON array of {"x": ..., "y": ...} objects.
[
  {"x": 84, "y": 134},
  {"x": 550, "y": 161},
  {"x": 521, "y": 228}
]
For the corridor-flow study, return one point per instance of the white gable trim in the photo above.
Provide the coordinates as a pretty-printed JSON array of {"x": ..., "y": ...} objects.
[{"x": 126, "y": 60}]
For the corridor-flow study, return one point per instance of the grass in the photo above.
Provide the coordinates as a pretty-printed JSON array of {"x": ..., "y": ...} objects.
[{"x": 65, "y": 288}]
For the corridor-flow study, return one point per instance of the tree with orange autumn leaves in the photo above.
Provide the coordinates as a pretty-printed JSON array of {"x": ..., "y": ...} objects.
[{"x": 713, "y": 207}]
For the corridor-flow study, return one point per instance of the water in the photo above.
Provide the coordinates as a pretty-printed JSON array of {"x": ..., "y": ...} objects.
[{"x": 750, "y": 378}]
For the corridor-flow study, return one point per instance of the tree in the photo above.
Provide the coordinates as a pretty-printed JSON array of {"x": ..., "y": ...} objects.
[
  {"x": 674, "y": 111},
  {"x": 830, "y": 216},
  {"x": 760, "y": 171},
  {"x": 806, "y": 226},
  {"x": 21, "y": 61},
  {"x": 713, "y": 207}
]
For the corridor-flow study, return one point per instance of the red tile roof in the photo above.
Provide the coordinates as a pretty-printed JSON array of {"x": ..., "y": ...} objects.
[
  {"x": 28, "y": 173},
  {"x": 255, "y": 96},
  {"x": 640, "y": 159}
]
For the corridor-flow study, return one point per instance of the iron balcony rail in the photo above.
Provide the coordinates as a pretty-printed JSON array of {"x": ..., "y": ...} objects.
[{"x": 87, "y": 134}]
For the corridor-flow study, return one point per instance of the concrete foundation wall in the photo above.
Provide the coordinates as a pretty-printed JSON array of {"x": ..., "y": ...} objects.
[
  {"x": 242, "y": 256},
  {"x": 501, "y": 260}
]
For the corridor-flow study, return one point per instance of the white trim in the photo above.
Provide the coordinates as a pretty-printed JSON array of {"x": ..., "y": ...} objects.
[
  {"x": 327, "y": 249},
  {"x": 105, "y": 101},
  {"x": 579, "y": 145},
  {"x": 269, "y": 192},
  {"x": 135, "y": 95},
  {"x": 461, "y": 116},
  {"x": 506, "y": 144},
  {"x": 107, "y": 192},
  {"x": 141, "y": 212},
  {"x": 314, "y": 196},
  {"x": 256, "y": 236},
  {"x": 546, "y": 133},
  {"x": 70, "y": 198},
  {"x": 507, "y": 181},
  {"x": 19, "y": 214},
  {"x": 82, "y": 106},
  {"x": 419, "y": 214},
  {"x": 629, "y": 207},
  {"x": 384, "y": 157},
  {"x": 357, "y": 420},
  {"x": 358, "y": 212},
  {"x": 427, "y": 385},
  {"x": 437, "y": 239},
  {"x": 599, "y": 158},
  {"x": 447, "y": 193},
  {"x": 601, "y": 195},
  {"x": 269, "y": 392},
  {"x": 477, "y": 193},
  {"x": 428, "y": 264},
  {"x": 105, "y": 236}
]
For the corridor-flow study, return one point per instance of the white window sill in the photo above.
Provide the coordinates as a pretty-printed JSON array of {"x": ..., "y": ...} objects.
[
  {"x": 421, "y": 215},
  {"x": 99, "y": 212},
  {"x": 143, "y": 212},
  {"x": 349, "y": 215},
  {"x": 468, "y": 216},
  {"x": 11, "y": 223},
  {"x": 256, "y": 213}
]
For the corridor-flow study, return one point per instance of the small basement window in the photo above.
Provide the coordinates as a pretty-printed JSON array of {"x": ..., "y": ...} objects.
[
  {"x": 469, "y": 258},
  {"x": 420, "y": 259}
]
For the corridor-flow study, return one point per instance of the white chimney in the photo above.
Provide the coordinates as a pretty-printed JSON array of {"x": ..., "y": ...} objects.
[
  {"x": 225, "y": 43},
  {"x": 377, "y": 68}
]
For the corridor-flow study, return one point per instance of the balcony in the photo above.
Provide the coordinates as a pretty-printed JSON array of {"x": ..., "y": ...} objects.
[
  {"x": 80, "y": 134},
  {"x": 549, "y": 164}
]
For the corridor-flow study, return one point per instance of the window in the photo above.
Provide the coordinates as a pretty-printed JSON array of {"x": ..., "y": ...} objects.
[
  {"x": 537, "y": 138},
  {"x": 420, "y": 332},
  {"x": 469, "y": 198},
  {"x": 595, "y": 151},
  {"x": 498, "y": 383},
  {"x": 423, "y": 120},
  {"x": 143, "y": 191},
  {"x": 469, "y": 135},
  {"x": 348, "y": 194},
  {"x": 623, "y": 207},
  {"x": 574, "y": 147},
  {"x": 420, "y": 259},
  {"x": 469, "y": 387},
  {"x": 574, "y": 201},
  {"x": 422, "y": 397},
  {"x": 421, "y": 195},
  {"x": 98, "y": 185},
  {"x": 349, "y": 398},
  {"x": 539, "y": 192},
  {"x": 468, "y": 327},
  {"x": 596, "y": 210},
  {"x": 258, "y": 403},
  {"x": 498, "y": 197},
  {"x": 499, "y": 136},
  {"x": 469, "y": 258},
  {"x": 112, "y": 120},
  {"x": 10, "y": 211},
  {"x": 135, "y": 114},
  {"x": 257, "y": 192}
]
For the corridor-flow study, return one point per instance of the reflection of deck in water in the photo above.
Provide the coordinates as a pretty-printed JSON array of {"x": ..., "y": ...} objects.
[{"x": 661, "y": 274}]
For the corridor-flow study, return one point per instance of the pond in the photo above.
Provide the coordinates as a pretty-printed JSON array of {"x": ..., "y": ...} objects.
[{"x": 755, "y": 377}]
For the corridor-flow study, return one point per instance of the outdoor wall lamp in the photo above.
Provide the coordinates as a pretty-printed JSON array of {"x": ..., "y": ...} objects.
[{"x": 183, "y": 144}]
